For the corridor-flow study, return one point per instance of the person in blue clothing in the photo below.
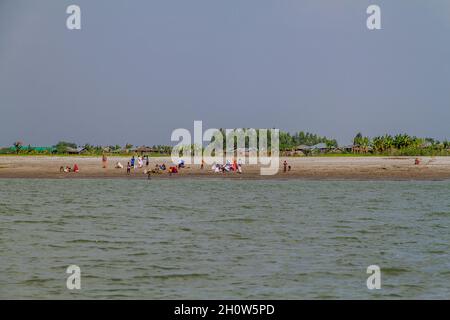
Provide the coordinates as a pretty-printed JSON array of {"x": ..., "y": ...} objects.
[{"x": 132, "y": 162}]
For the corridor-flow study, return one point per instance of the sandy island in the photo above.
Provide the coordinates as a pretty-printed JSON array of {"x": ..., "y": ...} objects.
[{"x": 352, "y": 168}]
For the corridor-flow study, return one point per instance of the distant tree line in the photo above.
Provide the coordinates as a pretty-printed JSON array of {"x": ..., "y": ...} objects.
[
  {"x": 288, "y": 141},
  {"x": 400, "y": 144}
]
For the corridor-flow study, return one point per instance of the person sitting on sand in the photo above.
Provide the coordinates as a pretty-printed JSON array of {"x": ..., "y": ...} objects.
[
  {"x": 118, "y": 165},
  {"x": 75, "y": 168},
  {"x": 163, "y": 167},
  {"x": 417, "y": 161},
  {"x": 173, "y": 169},
  {"x": 181, "y": 164},
  {"x": 156, "y": 170}
]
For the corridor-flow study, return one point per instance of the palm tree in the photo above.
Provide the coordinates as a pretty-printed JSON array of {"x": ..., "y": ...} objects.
[
  {"x": 402, "y": 141},
  {"x": 357, "y": 139},
  {"x": 331, "y": 143},
  {"x": 378, "y": 144},
  {"x": 388, "y": 141},
  {"x": 18, "y": 145},
  {"x": 365, "y": 143}
]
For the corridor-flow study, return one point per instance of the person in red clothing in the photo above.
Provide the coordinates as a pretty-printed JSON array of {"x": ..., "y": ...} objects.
[
  {"x": 173, "y": 169},
  {"x": 75, "y": 168}
]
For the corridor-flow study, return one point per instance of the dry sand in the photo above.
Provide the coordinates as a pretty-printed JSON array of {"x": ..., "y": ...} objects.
[{"x": 356, "y": 168}]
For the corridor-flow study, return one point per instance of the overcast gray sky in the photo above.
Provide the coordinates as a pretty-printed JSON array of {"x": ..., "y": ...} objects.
[{"x": 139, "y": 69}]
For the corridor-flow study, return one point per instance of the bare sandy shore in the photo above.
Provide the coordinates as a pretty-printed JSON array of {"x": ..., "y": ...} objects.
[{"x": 353, "y": 168}]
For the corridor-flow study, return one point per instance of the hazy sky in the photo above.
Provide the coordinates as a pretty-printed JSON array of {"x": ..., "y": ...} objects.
[{"x": 139, "y": 69}]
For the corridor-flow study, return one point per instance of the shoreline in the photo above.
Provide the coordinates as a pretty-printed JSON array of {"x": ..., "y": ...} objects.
[{"x": 303, "y": 168}]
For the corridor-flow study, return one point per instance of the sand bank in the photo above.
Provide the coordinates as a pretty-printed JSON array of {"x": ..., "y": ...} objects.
[{"x": 357, "y": 168}]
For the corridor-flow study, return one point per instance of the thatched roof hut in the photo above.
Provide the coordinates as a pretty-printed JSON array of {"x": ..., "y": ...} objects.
[
  {"x": 143, "y": 149},
  {"x": 70, "y": 150}
]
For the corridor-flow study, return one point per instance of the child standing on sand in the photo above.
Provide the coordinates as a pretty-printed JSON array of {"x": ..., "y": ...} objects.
[{"x": 128, "y": 168}]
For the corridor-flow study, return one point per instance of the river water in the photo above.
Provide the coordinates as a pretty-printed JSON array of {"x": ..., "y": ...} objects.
[{"x": 221, "y": 239}]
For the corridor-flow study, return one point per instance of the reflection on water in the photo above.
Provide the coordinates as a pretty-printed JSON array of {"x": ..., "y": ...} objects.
[{"x": 214, "y": 239}]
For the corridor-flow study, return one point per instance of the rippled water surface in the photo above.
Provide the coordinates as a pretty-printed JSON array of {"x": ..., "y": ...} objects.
[{"x": 214, "y": 239}]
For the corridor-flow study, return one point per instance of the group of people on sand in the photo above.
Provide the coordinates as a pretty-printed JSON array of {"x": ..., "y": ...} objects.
[
  {"x": 138, "y": 162},
  {"x": 69, "y": 169},
  {"x": 234, "y": 166},
  {"x": 157, "y": 169},
  {"x": 134, "y": 163},
  {"x": 286, "y": 167},
  {"x": 162, "y": 168}
]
